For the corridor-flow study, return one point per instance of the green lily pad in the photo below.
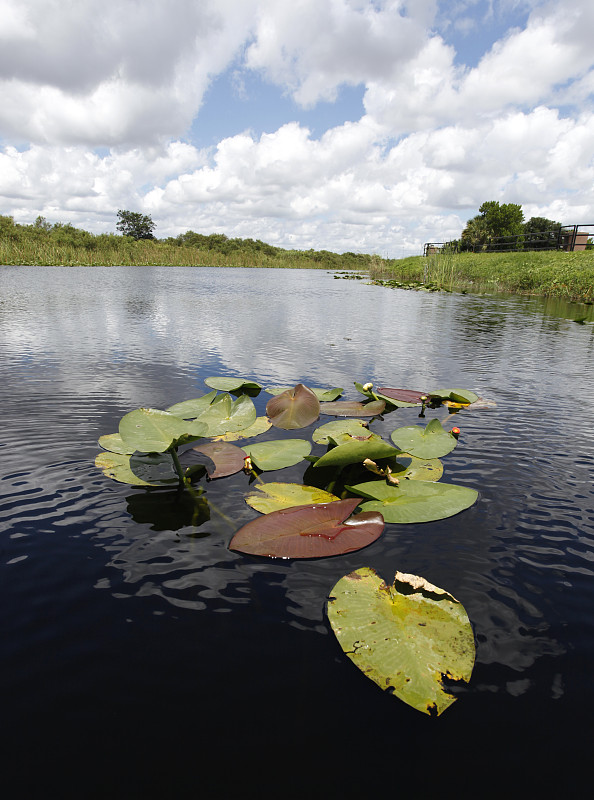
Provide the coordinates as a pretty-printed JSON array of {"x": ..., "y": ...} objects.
[
  {"x": 463, "y": 396},
  {"x": 310, "y": 531},
  {"x": 404, "y": 637},
  {"x": 141, "y": 469},
  {"x": 420, "y": 469},
  {"x": 261, "y": 425},
  {"x": 150, "y": 430},
  {"x": 115, "y": 444},
  {"x": 342, "y": 431},
  {"x": 352, "y": 408},
  {"x": 231, "y": 384},
  {"x": 414, "y": 501},
  {"x": 190, "y": 409},
  {"x": 431, "y": 441},
  {"x": 278, "y": 454},
  {"x": 355, "y": 452},
  {"x": 295, "y": 408},
  {"x": 225, "y": 415},
  {"x": 270, "y": 497},
  {"x": 321, "y": 394}
]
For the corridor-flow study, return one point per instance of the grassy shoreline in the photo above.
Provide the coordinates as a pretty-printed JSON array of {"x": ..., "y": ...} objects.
[{"x": 564, "y": 275}]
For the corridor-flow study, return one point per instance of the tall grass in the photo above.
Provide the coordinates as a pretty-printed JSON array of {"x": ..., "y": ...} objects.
[
  {"x": 146, "y": 253},
  {"x": 567, "y": 275}
]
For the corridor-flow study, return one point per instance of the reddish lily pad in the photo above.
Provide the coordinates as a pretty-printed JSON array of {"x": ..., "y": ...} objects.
[
  {"x": 295, "y": 408},
  {"x": 404, "y": 395},
  {"x": 311, "y": 531},
  {"x": 227, "y": 458}
]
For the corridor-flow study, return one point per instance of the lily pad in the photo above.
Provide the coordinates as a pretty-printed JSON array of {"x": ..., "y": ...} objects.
[
  {"x": 431, "y": 441},
  {"x": 261, "y": 425},
  {"x": 321, "y": 394},
  {"x": 295, "y": 408},
  {"x": 406, "y": 397},
  {"x": 227, "y": 458},
  {"x": 231, "y": 384},
  {"x": 355, "y": 452},
  {"x": 352, "y": 408},
  {"x": 309, "y": 531},
  {"x": 463, "y": 396},
  {"x": 150, "y": 430},
  {"x": 141, "y": 469},
  {"x": 414, "y": 501},
  {"x": 190, "y": 409},
  {"x": 343, "y": 430},
  {"x": 115, "y": 444},
  {"x": 270, "y": 497},
  {"x": 390, "y": 401},
  {"x": 225, "y": 415},
  {"x": 404, "y": 637},
  {"x": 420, "y": 469},
  {"x": 278, "y": 453}
]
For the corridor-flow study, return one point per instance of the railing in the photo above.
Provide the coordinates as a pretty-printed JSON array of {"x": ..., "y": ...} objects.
[{"x": 566, "y": 237}]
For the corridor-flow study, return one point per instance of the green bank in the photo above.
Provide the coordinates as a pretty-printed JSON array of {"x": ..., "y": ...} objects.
[{"x": 551, "y": 273}]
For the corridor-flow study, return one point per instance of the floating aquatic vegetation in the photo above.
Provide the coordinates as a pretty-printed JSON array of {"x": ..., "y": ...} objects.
[{"x": 406, "y": 636}]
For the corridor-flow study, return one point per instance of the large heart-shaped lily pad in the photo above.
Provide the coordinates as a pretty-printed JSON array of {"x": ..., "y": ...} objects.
[
  {"x": 310, "y": 531},
  {"x": 150, "y": 430},
  {"x": 431, "y": 441},
  {"x": 227, "y": 458},
  {"x": 278, "y": 454},
  {"x": 414, "y": 501},
  {"x": 294, "y": 408},
  {"x": 141, "y": 469},
  {"x": 268, "y": 497},
  {"x": 404, "y": 637}
]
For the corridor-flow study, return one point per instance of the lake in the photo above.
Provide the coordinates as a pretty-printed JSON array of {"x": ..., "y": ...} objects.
[{"x": 142, "y": 658}]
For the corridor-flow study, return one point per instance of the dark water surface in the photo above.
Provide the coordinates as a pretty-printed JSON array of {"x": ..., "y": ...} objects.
[{"x": 140, "y": 662}]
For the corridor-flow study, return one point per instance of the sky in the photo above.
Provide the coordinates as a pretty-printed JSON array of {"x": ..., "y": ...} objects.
[{"x": 342, "y": 125}]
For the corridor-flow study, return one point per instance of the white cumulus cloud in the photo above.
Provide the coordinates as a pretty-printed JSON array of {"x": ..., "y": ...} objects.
[{"x": 98, "y": 100}]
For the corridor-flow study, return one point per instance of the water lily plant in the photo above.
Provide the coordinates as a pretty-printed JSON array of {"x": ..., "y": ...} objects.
[{"x": 351, "y": 490}]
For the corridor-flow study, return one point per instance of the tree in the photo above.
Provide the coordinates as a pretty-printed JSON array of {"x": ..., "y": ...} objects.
[
  {"x": 138, "y": 226},
  {"x": 475, "y": 235},
  {"x": 541, "y": 234},
  {"x": 493, "y": 221},
  {"x": 42, "y": 224}
]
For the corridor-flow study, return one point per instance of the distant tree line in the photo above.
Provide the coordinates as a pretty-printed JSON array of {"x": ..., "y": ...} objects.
[{"x": 136, "y": 230}]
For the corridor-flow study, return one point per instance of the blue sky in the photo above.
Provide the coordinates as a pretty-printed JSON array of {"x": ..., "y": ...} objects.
[
  {"x": 335, "y": 124},
  {"x": 237, "y": 101}
]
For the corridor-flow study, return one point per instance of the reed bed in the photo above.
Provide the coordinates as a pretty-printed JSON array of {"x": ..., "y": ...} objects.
[{"x": 566, "y": 275}]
